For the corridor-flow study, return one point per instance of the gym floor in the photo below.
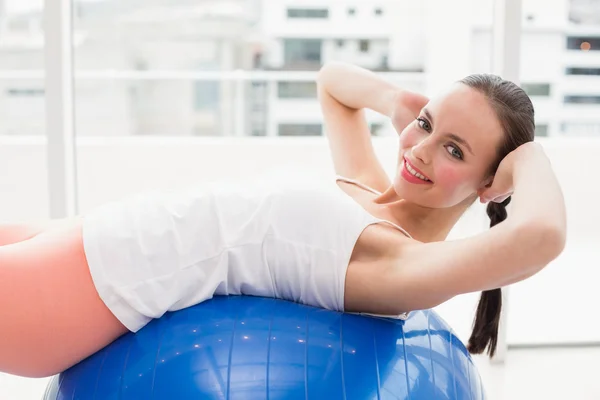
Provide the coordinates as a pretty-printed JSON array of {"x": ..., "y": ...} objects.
[{"x": 544, "y": 373}]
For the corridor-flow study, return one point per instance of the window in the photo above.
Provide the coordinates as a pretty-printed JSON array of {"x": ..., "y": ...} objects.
[
  {"x": 300, "y": 129},
  {"x": 257, "y": 96},
  {"x": 583, "y": 43},
  {"x": 206, "y": 95},
  {"x": 313, "y": 13},
  {"x": 536, "y": 89},
  {"x": 25, "y": 92},
  {"x": 302, "y": 52},
  {"x": 541, "y": 130},
  {"x": 580, "y": 129},
  {"x": 578, "y": 99},
  {"x": 297, "y": 90},
  {"x": 384, "y": 62},
  {"x": 377, "y": 129},
  {"x": 363, "y": 46},
  {"x": 582, "y": 71}
]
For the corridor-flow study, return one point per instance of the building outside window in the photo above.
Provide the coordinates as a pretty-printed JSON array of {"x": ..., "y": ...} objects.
[
  {"x": 314, "y": 13},
  {"x": 582, "y": 99},
  {"x": 536, "y": 89},
  {"x": 297, "y": 90},
  {"x": 583, "y": 43},
  {"x": 300, "y": 129},
  {"x": 582, "y": 71},
  {"x": 364, "y": 46},
  {"x": 302, "y": 53}
]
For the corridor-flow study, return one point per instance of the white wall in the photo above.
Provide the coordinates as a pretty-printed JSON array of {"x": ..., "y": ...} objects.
[
  {"x": 554, "y": 306},
  {"x": 545, "y": 13},
  {"x": 407, "y": 35}
]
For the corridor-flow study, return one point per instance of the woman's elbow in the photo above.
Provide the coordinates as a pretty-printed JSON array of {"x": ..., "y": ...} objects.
[
  {"x": 554, "y": 240},
  {"x": 548, "y": 241}
]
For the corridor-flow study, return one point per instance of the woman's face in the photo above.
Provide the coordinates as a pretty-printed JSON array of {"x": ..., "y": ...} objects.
[{"x": 450, "y": 147}]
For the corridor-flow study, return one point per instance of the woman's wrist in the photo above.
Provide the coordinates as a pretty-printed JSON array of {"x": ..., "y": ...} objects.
[
  {"x": 528, "y": 159},
  {"x": 412, "y": 101},
  {"x": 407, "y": 106}
]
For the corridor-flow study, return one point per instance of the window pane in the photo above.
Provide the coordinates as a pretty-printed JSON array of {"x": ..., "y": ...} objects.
[
  {"x": 582, "y": 99},
  {"x": 541, "y": 130},
  {"x": 583, "y": 43},
  {"x": 23, "y": 155},
  {"x": 575, "y": 129},
  {"x": 364, "y": 46},
  {"x": 377, "y": 129},
  {"x": 21, "y": 35},
  {"x": 302, "y": 53},
  {"x": 307, "y": 13},
  {"x": 22, "y": 107},
  {"x": 297, "y": 90},
  {"x": 182, "y": 68},
  {"x": 22, "y": 88},
  {"x": 300, "y": 129},
  {"x": 582, "y": 71},
  {"x": 536, "y": 89}
]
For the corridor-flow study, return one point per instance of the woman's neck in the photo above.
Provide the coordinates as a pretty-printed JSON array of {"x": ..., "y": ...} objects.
[{"x": 423, "y": 223}]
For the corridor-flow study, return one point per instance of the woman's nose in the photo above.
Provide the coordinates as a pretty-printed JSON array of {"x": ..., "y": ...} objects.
[{"x": 421, "y": 151}]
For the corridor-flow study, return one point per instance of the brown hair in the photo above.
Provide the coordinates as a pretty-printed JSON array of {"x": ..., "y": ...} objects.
[{"x": 516, "y": 115}]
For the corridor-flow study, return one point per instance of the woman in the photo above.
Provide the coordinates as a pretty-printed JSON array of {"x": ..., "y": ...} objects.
[{"x": 366, "y": 245}]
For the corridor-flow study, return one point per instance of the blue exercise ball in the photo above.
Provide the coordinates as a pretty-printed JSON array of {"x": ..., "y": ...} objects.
[{"x": 241, "y": 347}]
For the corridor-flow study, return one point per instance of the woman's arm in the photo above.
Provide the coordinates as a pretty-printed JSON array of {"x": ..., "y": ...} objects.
[
  {"x": 535, "y": 191},
  {"x": 534, "y": 234},
  {"x": 344, "y": 92}
]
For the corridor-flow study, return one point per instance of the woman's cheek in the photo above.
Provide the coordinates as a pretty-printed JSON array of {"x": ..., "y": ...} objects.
[{"x": 448, "y": 176}]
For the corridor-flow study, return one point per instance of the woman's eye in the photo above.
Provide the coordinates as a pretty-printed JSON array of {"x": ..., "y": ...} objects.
[
  {"x": 424, "y": 124},
  {"x": 454, "y": 152}
]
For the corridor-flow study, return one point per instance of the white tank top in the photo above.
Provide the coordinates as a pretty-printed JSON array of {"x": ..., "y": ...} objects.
[{"x": 166, "y": 251}]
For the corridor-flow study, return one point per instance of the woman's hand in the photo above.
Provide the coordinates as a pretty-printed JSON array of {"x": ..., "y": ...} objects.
[
  {"x": 502, "y": 186},
  {"x": 406, "y": 108}
]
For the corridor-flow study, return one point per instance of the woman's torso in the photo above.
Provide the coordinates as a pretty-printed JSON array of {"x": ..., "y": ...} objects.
[{"x": 297, "y": 243}]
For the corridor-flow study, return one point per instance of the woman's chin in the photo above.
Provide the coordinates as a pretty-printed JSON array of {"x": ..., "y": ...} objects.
[
  {"x": 411, "y": 194},
  {"x": 403, "y": 189}
]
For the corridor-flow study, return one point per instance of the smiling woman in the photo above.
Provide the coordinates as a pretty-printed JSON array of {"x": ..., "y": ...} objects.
[
  {"x": 475, "y": 140},
  {"x": 376, "y": 248}
]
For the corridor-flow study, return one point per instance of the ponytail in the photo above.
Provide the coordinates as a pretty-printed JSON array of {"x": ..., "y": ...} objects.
[{"x": 487, "y": 317}]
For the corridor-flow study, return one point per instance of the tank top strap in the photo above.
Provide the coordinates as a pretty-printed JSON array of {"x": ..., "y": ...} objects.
[
  {"x": 357, "y": 183},
  {"x": 370, "y": 189}
]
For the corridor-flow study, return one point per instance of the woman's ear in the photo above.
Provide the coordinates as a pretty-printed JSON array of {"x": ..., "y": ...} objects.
[
  {"x": 488, "y": 181},
  {"x": 485, "y": 185}
]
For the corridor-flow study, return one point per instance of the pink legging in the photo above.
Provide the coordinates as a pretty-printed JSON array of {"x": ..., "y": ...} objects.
[{"x": 51, "y": 316}]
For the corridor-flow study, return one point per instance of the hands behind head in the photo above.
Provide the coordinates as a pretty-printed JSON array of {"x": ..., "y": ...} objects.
[
  {"x": 406, "y": 108},
  {"x": 502, "y": 185}
]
